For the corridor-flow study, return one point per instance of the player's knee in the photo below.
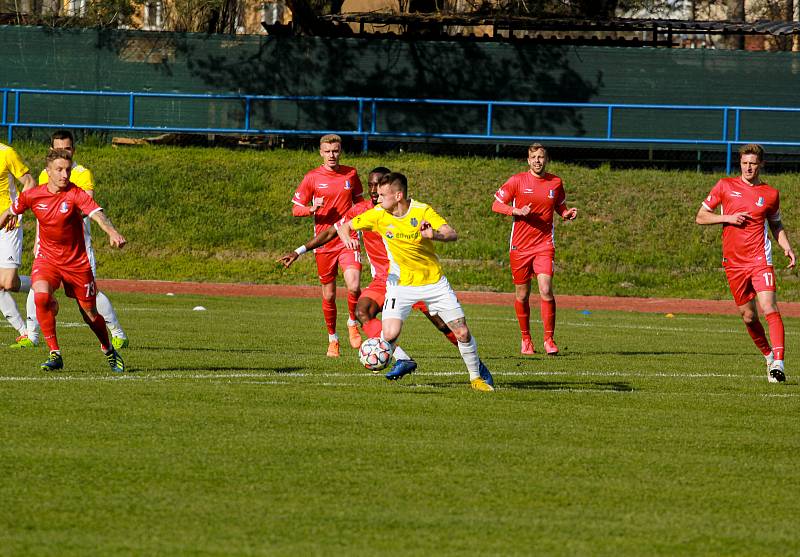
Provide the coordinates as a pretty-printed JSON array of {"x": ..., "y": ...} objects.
[
  {"x": 43, "y": 300},
  {"x": 749, "y": 317}
]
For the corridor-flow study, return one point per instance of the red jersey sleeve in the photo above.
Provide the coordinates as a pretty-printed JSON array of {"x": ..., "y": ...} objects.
[
  {"x": 21, "y": 204},
  {"x": 507, "y": 191},
  {"x": 358, "y": 189},
  {"x": 85, "y": 202},
  {"x": 561, "y": 199},
  {"x": 304, "y": 192},
  {"x": 774, "y": 212},
  {"x": 715, "y": 197}
]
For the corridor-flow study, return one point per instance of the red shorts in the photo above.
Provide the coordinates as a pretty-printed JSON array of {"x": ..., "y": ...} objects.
[
  {"x": 744, "y": 282},
  {"x": 328, "y": 263},
  {"x": 526, "y": 265},
  {"x": 78, "y": 280},
  {"x": 376, "y": 290}
]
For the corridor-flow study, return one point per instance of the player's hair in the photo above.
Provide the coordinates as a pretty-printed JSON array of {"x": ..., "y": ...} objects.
[
  {"x": 330, "y": 138},
  {"x": 752, "y": 149},
  {"x": 398, "y": 181},
  {"x": 62, "y": 134},
  {"x": 380, "y": 170},
  {"x": 533, "y": 147},
  {"x": 55, "y": 154}
]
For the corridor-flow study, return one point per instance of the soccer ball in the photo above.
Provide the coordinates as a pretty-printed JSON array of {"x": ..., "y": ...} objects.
[{"x": 375, "y": 354}]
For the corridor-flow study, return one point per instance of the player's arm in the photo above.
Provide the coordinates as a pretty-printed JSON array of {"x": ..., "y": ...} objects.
[
  {"x": 317, "y": 241},
  {"x": 345, "y": 231},
  {"x": 99, "y": 216},
  {"x": 28, "y": 181},
  {"x": 445, "y": 233},
  {"x": 505, "y": 209},
  {"x": 304, "y": 194},
  {"x": 8, "y": 220},
  {"x": 782, "y": 238},
  {"x": 707, "y": 216}
]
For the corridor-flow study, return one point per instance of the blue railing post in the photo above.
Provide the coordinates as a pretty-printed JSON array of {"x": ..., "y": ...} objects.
[
  {"x": 247, "y": 113},
  {"x": 609, "y": 122},
  {"x": 131, "y": 107},
  {"x": 489, "y": 107}
]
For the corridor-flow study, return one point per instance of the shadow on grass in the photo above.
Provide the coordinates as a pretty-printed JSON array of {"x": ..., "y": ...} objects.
[{"x": 568, "y": 386}]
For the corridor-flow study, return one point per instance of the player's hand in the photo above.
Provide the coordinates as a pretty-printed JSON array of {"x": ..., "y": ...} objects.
[
  {"x": 351, "y": 243},
  {"x": 570, "y": 214},
  {"x": 426, "y": 230},
  {"x": 521, "y": 211},
  {"x": 117, "y": 240},
  {"x": 316, "y": 203},
  {"x": 792, "y": 259},
  {"x": 738, "y": 219},
  {"x": 288, "y": 259},
  {"x": 11, "y": 223}
]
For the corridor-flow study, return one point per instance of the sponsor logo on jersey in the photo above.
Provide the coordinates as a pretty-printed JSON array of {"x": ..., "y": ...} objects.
[
  {"x": 414, "y": 222},
  {"x": 389, "y": 234},
  {"x": 64, "y": 207},
  {"x": 42, "y": 206},
  {"x": 527, "y": 190},
  {"x": 322, "y": 186},
  {"x": 760, "y": 202},
  {"x": 735, "y": 193}
]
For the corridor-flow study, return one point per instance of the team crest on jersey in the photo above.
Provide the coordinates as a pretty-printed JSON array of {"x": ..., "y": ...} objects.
[
  {"x": 64, "y": 207},
  {"x": 347, "y": 185},
  {"x": 550, "y": 195},
  {"x": 760, "y": 202},
  {"x": 414, "y": 222}
]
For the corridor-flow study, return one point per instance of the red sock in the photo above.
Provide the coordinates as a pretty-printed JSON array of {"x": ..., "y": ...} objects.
[
  {"x": 98, "y": 327},
  {"x": 523, "y": 310},
  {"x": 372, "y": 328},
  {"x": 451, "y": 337},
  {"x": 47, "y": 318},
  {"x": 756, "y": 331},
  {"x": 548, "y": 309},
  {"x": 775, "y": 324},
  {"x": 329, "y": 312},
  {"x": 352, "y": 300}
]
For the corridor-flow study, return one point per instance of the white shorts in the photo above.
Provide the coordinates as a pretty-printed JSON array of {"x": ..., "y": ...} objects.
[
  {"x": 439, "y": 297},
  {"x": 11, "y": 248}
]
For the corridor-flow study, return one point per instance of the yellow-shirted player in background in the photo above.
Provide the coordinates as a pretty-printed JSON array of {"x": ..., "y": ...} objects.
[
  {"x": 11, "y": 167},
  {"x": 409, "y": 229},
  {"x": 81, "y": 177}
]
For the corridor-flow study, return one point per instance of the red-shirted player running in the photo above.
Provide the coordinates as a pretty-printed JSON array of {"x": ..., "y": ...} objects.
[
  {"x": 531, "y": 198},
  {"x": 749, "y": 210},
  {"x": 332, "y": 189},
  {"x": 61, "y": 256}
]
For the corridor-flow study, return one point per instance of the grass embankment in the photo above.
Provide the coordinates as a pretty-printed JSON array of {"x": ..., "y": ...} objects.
[{"x": 221, "y": 215}]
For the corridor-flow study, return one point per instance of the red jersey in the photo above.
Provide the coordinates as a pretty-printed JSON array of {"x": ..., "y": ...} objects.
[
  {"x": 747, "y": 245},
  {"x": 534, "y": 231},
  {"x": 339, "y": 188},
  {"x": 373, "y": 242},
  {"x": 60, "y": 217}
]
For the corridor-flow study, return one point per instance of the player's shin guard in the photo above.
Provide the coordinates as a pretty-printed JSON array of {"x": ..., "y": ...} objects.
[
  {"x": 756, "y": 332},
  {"x": 98, "y": 327},
  {"x": 9, "y": 308},
  {"x": 352, "y": 300},
  {"x": 31, "y": 322},
  {"x": 469, "y": 353},
  {"x": 24, "y": 283},
  {"x": 776, "y": 333},
  {"x": 105, "y": 309},
  {"x": 45, "y": 313},
  {"x": 548, "y": 309},
  {"x": 523, "y": 311},
  {"x": 372, "y": 328},
  {"x": 329, "y": 313}
]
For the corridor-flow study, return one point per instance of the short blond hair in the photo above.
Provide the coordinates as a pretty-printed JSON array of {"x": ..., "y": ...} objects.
[
  {"x": 533, "y": 147},
  {"x": 330, "y": 138},
  {"x": 55, "y": 154},
  {"x": 752, "y": 149}
]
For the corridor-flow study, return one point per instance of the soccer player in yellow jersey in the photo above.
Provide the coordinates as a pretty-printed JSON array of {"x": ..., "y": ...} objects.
[
  {"x": 81, "y": 177},
  {"x": 11, "y": 167},
  {"x": 409, "y": 229}
]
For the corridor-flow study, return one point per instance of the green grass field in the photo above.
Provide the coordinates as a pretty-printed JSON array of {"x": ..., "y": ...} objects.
[{"x": 235, "y": 435}]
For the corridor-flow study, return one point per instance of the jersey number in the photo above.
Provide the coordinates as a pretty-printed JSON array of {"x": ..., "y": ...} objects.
[
  {"x": 769, "y": 279},
  {"x": 90, "y": 289},
  {"x": 386, "y": 303}
]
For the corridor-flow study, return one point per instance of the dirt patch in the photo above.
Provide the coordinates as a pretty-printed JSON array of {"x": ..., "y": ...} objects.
[{"x": 652, "y": 305}]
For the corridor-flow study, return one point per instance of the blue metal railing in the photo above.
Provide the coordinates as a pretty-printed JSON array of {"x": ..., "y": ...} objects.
[{"x": 370, "y": 109}]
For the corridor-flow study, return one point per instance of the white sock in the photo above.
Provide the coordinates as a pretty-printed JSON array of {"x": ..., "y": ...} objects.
[
  {"x": 351, "y": 322},
  {"x": 401, "y": 354},
  {"x": 9, "y": 308},
  {"x": 24, "y": 283},
  {"x": 770, "y": 358},
  {"x": 31, "y": 322},
  {"x": 333, "y": 337},
  {"x": 469, "y": 353},
  {"x": 105, "y": 309}
]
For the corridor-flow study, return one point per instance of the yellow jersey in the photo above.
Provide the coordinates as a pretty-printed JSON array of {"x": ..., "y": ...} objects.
[
  {"x": 11, "y": 166},
  {"x": 412, "y": 259},
  {"x": 80, "y": 176}
]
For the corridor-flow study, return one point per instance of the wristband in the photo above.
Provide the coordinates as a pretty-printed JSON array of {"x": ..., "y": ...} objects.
[{"x": 301, "y": 250}]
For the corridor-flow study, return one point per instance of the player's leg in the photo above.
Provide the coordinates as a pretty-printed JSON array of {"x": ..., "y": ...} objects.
[
  {"x": 46, "y": 311},
  {"x": 369, "y": 306},
  {"x": 118, "y": 337},
  {"x": 744, "y": 294},
  {"x": 10, "y": 260},
  {"x": 437, "y": 322},
  {"x": 396, "y": 308},
  {"x": 543, "y": 267},
  {"x": 350, "y": 262},
  {"x": 764, "y": 285},
  {"x": 442, "y": 301},
  {"x": 522, "y": 273},
  {"x": 327, "y": 270}
]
